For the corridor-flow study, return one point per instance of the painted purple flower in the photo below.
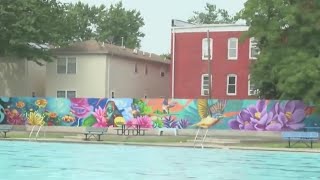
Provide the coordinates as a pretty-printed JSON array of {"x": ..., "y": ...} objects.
[
  {"x": 252, "y": 118},
  {"x": 274, "y": 123},
  {"x": 288, "y": 117}
]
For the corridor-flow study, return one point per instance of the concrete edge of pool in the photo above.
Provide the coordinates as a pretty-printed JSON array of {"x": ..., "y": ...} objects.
[{"x": 182, "y": 145}]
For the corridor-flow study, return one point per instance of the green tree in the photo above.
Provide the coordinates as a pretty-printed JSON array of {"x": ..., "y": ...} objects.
[
  {"x": 212, "y": 15},
  {"x": 118, "y": 25},
  {"x": 288, "y": 36},
  {"x": 29, "y": 26}
]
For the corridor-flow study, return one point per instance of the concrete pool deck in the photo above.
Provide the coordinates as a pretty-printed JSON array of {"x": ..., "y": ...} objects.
[
  {"x": 217, "y": 139},
  {"x": 176, "y": 144}
]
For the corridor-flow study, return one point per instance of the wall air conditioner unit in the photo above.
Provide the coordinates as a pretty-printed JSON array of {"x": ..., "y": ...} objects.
[
  {"x": 135, "y": 51},
  {"x": 206, "y": 92}
]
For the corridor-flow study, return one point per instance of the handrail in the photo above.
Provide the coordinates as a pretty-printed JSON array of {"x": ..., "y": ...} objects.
[
  {"x": 196, "y": 138},
  {"x": 37, "y": 134}
]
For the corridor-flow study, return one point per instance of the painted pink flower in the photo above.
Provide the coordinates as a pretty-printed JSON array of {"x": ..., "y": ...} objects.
[
  {"x": 143, "y": 121},
  {"x": 80, "y": 107},
  {"x": 100, "y": 115},
  {"x": 14, "y": 117}
]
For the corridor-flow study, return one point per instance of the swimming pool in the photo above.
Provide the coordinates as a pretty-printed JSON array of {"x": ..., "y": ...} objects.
[{"x": 61, "y": 161}]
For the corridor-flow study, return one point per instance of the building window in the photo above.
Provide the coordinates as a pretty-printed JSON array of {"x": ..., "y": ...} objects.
[
  {"x": 66, "y": 65},
  {"x": 112, "y": 94},
  {"x": 233, "y": 48},
  {"x": 205, "y": 84},
  {"x": 253, "y": 49},
  {"x": 232, "y": 84},
  {"x": 66, "y": 94},
  {"x": 251, "y": 88},
  {"x": 146, "y": 69},
  {"x": 205, "y": 52},
  {"x": 136, "y": 68}
]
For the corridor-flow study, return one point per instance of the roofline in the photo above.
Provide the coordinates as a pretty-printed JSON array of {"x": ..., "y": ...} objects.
[
  {"x": 168, "y": 62},
  {"x": 211, "y": 28}
]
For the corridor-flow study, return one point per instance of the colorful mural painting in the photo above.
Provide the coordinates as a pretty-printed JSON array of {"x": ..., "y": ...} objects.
[{"x": 253, "y": 115}]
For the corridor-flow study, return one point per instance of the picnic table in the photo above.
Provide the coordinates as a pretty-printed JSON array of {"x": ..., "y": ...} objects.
[{"x": 134, "y": 129}]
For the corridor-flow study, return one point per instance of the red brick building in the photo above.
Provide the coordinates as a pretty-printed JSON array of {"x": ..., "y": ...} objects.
[{"x": 230, "y": 61}]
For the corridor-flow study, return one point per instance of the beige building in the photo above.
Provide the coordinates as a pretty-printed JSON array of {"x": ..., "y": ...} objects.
[
  {"x": 92, "y": 69},
  {"x": 20, "y": 77}
]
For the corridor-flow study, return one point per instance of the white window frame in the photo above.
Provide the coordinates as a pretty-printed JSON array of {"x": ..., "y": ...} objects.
[
  {"x": 67, "y": 59},
  {"x": 255, "y": 91},
  {"x": 66, "y": 93},
  {"x": 202, "y": 84},
  {"x": 236, "y": 48},
  {"x": 235, "y": 89},
  {"x": 251, "y": 46},
  {"x": 204, "y": 48}
]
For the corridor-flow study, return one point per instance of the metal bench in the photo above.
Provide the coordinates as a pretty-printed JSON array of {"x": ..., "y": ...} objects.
[
  {"x": 162, "y": 130},
  {"x": 95, "y": 132},
  {"x": 4, "y": 129},
  {"x": 302, "y": 137},
  {"x": 311, "y": 129},
  {"x": 135, "y": 130}
]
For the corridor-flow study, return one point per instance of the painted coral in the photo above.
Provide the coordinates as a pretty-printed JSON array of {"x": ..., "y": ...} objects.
[{"x": 170, "y": 122}]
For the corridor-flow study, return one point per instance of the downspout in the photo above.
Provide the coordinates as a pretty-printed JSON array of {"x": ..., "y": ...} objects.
[
  {"x": 173, "y": 58},
  {"x": 108, "y": 75}
]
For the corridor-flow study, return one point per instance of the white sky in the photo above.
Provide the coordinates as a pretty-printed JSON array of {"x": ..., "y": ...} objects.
[{"x": 157, "y": 16}]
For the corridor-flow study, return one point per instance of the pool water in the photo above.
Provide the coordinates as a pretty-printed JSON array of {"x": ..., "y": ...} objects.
[{"x": 61, "y": 161}]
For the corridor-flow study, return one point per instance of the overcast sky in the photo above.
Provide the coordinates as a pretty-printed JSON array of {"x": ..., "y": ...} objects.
[{"x": 157, "y": 16}]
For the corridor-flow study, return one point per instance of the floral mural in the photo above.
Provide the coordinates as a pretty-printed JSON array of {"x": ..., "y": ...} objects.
[{"x": 247, "y": 115}]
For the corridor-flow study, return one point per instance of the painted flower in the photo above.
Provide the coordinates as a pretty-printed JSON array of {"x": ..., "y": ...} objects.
[
  {"x": 35, "y": 118},
  {"x": 20, "y": 104},
  {"x": 41, "y": 103},
  {"x": 14, "y": 117},
  {"x": 80, "y": 107},
  {"x": 143, "y": 121},
  {"x": 100, "y": 115},
  {"x": 252, "y": 118},
  {"x": 286, "y": 117},
  {"x": 53, "y": 115},
  {"x": 68, "y": 118}
]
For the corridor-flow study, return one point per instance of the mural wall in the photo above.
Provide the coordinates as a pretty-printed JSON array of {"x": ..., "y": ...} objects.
[{"x": 256, "y": 115}]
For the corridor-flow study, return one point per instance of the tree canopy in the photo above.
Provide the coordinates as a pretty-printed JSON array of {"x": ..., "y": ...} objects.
[
  {"x": 288, "y": 35},
  {"x": 30, "y": 27},
  {"x": 211, "y": 15}
]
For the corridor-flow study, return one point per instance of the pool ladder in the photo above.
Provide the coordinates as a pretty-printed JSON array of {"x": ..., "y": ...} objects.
[
  {"x": 200, "y": 138},
  {"x": 37, "y": 134}
]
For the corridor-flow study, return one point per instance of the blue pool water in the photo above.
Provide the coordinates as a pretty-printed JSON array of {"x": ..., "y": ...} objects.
[{"x": 46, "y": 161}]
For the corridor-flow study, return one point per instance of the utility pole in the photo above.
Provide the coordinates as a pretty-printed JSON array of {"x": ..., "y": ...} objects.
[{"x": 209, "y": 64}]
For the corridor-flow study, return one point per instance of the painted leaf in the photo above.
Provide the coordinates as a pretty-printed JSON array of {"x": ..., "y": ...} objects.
[{"x": 89, "y": 121}]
